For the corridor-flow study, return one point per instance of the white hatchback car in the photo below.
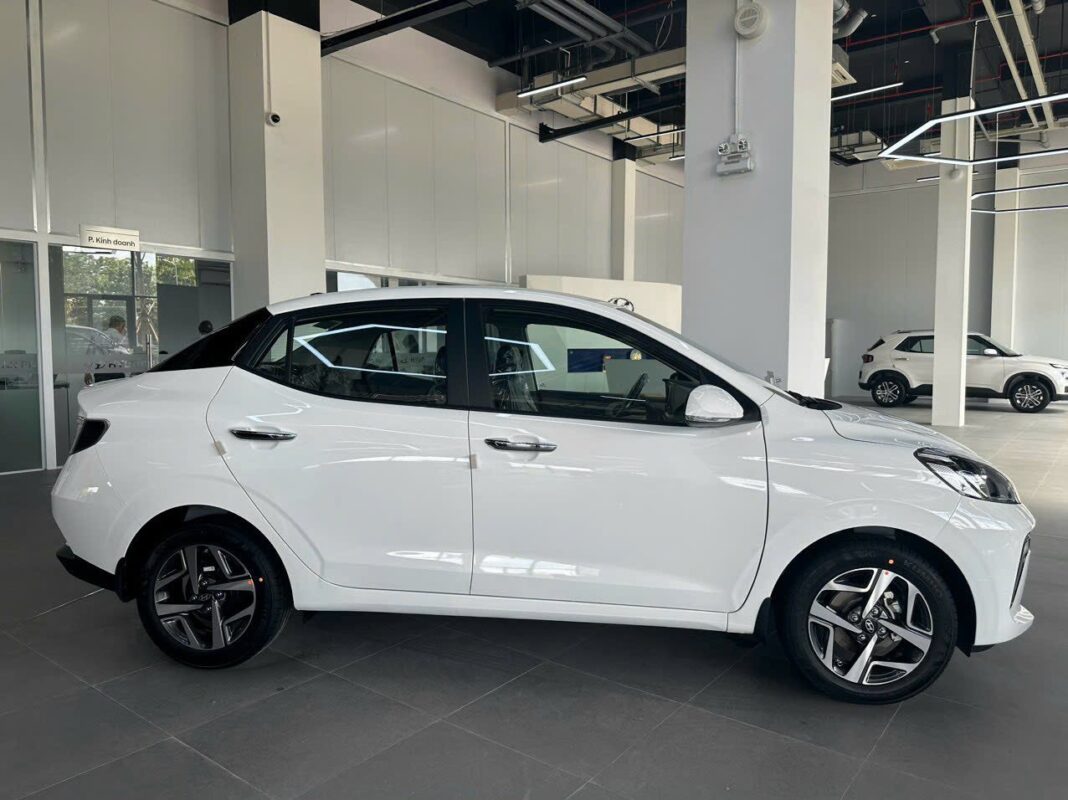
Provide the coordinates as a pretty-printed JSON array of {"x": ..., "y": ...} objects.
[
  {"x": 510, "y": 453},
  {"x": 899, "y": 367}
]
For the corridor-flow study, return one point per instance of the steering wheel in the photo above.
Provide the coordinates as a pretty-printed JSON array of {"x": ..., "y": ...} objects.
[{"x": 632, "y": 395}]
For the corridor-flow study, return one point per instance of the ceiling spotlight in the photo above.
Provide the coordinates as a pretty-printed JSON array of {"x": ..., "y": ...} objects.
[
  {"x": 550, "y": 86},
  {"x": 867, "y": 91}
]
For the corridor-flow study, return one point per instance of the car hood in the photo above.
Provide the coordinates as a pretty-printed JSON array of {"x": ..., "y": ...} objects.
[
  {"x": 867, "y": 425},
  {"x": 1029, "y": 359}
]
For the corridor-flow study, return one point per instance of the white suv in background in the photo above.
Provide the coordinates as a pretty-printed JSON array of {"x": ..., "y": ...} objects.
[{"x": 900, "y": 367}]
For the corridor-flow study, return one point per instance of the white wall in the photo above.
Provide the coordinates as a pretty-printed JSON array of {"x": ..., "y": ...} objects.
[
  {"x": 881, "y": 260},
  {"x": 414, "y": 182},
  {"x": 136, "y": 116},
  {"x": 1042, "y": 269},
  {"x": 16, "y": 148},
  {"x": 658, "y": 222}
]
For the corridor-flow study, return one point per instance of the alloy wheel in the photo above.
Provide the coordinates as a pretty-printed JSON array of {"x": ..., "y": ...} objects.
[
  {"x": 888, "y": 392},
  {"x": 204, "y": 597},
  {"x": 870, "y": 626},
  {"x": 1029, "y": 395}
]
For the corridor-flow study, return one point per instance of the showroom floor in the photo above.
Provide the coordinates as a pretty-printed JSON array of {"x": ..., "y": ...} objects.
[{"x": 384, "y": 706}]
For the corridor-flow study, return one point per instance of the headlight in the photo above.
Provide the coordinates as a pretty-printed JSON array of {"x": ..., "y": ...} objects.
[{"x": 969, "y": 477}]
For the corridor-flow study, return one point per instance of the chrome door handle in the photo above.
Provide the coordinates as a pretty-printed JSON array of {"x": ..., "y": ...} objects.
[
  {"x": 900, "y": 358},
  {"x": 267, "y": 436},
  {"x": 527, "y": 447}
]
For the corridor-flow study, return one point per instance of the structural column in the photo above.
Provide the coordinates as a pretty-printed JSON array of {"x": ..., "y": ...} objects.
[
  {"x": 754, "y": 278},
  {"x": 276, "y": 152},
  {"x": 624, "y": 183},
  {"x": 1006, "y": 227},
  {"x": 952, "y": 265}
]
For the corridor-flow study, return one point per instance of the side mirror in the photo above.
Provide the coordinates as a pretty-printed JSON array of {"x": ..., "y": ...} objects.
[
  {"x": 989, "y": 351},
  {"x": 711, "y": 405}
]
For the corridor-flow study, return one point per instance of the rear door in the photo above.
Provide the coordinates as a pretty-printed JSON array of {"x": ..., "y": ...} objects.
[
  {"x": 348, "y": 429},
  {"x": 914, "y": 358}
]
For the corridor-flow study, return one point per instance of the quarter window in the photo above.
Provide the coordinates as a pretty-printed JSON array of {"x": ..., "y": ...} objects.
[
  {"x": 540, "y": 364},
  {"x": 393, "y": 355},
  {"x": 918, "y": 344}
]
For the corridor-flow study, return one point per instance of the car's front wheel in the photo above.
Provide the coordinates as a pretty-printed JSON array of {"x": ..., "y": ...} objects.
[
  {"x": 211, "y": 596},
  {"x": 1029, "y": 395},
  {"x": 889, "y": 391},
  {"x": 869, "y": 622}
]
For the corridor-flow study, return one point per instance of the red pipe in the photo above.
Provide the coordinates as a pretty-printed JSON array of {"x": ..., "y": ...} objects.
[{"x": 921, "y": 29}]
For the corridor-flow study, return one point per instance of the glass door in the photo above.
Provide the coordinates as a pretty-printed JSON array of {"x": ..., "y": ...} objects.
[
  {"x": 20, "y": 392},
  {"x": 117, "y": 314}
]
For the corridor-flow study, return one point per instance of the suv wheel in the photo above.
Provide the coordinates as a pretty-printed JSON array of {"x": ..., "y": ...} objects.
[
  {"x": 1029, "y": 396},
  {"x": 211, "y": 596},
  {"x": 889, "y": 391},
  {"x": 872, "y": 622}
]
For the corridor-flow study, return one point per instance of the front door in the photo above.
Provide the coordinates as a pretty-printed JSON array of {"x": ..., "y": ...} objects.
[
  {"x": 588, "y": 485},
  {"x": 985, "y": 372},
  {"x": 349, "y": 434}
]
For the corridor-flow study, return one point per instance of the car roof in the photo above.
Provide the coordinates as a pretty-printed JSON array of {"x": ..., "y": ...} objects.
[{"x": 926, "y": 332}]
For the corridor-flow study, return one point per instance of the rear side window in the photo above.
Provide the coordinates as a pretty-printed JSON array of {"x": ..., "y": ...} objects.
[
  {"x": 390, "y": 355},
  {"x": 918, "y": 344},
  {"x": 217, "y": 349}
]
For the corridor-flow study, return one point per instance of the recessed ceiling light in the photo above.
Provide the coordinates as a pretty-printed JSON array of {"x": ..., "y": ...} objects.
[
  {"x": 550, "y": 86},
  {"x": 1020, "y": 189}
]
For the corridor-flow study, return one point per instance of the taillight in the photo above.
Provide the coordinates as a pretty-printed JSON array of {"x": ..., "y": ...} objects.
[
  {"x": 89, "y": 433},
  {"x": 867, "y": 358}
]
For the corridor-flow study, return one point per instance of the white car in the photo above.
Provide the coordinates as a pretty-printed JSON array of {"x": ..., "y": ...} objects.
[
  {"x": 899, "y": 367},
  {"x": 507, "y": 453}
]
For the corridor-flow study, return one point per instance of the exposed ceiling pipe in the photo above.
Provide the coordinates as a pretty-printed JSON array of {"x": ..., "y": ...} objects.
[
  {"x": 590, "y": 35},
  {"x": 1033, "y": 60},
  {"x": 600, "y": 17},
  {"x": 1038, "y": 6},
  {"x": 416, "y": 15},
  {"x": 999, "y": 32},
  {"x": 849, "y": 23},
  {"x": 841, "y": 8}
]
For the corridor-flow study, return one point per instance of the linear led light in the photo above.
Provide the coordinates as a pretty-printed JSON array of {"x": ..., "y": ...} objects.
[
  {"x": 679, "y": 157},
  {"x": 930, "y": 178},
  {"x": 867, "y": 91},
  {"x": 654, "y": 135},
  {"x": 550, "y": 86},
  {"x": 1017, "y": 210},
  {"x": 892, "y": 150},
  {"x": 1020, "y": 189}
]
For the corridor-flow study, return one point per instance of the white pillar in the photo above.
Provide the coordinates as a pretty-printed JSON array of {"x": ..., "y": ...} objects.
[
  {"x": 1003, "y": 288},
  {"x": 755, "y": 245},
  {"x": 952, "y": 262},
  {"x": 624, "y": 182},
  {"x": 277, "y": 169}
]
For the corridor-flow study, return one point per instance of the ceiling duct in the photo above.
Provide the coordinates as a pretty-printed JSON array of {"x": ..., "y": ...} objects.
[
  {"x": 854, "y": 147},
  {"x": 846, "y": 19}
]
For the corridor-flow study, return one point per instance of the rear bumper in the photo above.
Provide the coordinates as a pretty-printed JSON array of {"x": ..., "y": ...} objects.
[{"x": 90, "y": 573}]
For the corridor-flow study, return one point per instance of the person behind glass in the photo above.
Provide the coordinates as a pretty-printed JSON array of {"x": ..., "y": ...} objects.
[{"x": 116, "y": 331}]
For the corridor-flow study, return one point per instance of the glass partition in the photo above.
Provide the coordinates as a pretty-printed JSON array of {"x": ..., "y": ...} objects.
[
  {"x": 117, "y": 313},
  {"x": 20, "y": 393}
]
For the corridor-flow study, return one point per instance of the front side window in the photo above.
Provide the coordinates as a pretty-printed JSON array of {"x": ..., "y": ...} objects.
[
  {"x": 542, "y": 364},
  {"x": 976, "y": 345},
  {"x": 391, "y": 355}
]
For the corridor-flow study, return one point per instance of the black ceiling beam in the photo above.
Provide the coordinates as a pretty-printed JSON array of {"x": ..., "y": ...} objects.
[
  {"x": 409, "y": 17},
  {"x": 548, "y": 134}
]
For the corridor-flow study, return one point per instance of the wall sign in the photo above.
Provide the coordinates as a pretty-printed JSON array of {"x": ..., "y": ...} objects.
[{"x": 112, "y": 238}]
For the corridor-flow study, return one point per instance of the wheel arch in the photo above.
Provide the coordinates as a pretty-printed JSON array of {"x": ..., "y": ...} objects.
[
  {"x": 892, "y": 373},
  {"x": 1045, "y": 380},
  {"x": 128, "y": 572},
  {"x": 958, "y": 584}
]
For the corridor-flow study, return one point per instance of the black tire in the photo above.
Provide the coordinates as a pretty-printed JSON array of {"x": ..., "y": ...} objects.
[
  {"x": 225, "y": 557},
  {"x": 1030, "y": 395},
  {"x": 801, "y": 635},
  {"x": 888, "y": 390}
]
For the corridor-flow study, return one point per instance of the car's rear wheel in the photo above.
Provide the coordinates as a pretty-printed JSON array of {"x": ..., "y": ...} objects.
[
  {"x": 212, "y": 596},
  {"x": 889, "y": 391},
  {"x": 871, "y": 622},
  {"x": 1029, "y": 395}
]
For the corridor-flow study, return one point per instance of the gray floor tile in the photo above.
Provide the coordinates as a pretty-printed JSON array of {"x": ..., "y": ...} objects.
[
  {"x": 165, "y": 771},
  {"x": 444, "y": 762},
  {"x": 974, "y": 750},
  {"x": 292, "y": 741},
  {"x": 591, "y": 791},
  {"x": 97, "y": 638},
  {"x": 177, "y": 697},
  {"x": 56, "y": 739},
  {"x": 566, "y": 718},
  {"x": 673, "y": 662},
  {"x": 880, "y": 783},
  {"x": 440, "y": 671},
  {"x": 541, "y": 638},
  {"x": 764, "y": 690},
  {"x": 331, "y": 640},
  {"x": 696, "y": 754},
  {"x": 26, "y": 677}
]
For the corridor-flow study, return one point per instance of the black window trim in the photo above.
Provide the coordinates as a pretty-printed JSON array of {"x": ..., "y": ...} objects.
[
  {"x": 455, "y": 358},
  {"x": 479, "y": 390}
]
